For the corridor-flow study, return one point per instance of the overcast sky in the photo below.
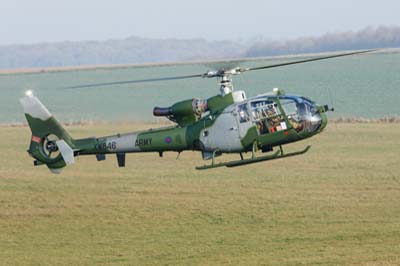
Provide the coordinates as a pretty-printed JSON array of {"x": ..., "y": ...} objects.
[{"x": 34, "y": 21}]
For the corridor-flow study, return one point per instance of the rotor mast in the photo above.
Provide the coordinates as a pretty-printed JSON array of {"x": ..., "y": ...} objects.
[
  {"x": 225, "y": 78},
  {"x": 226, "y": 85}
]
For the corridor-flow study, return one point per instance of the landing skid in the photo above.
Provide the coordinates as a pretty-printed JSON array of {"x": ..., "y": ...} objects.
[{"x": 277, "y": 155}]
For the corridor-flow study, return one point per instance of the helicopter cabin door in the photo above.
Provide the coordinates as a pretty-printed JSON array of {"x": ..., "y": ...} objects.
[{"x": 267, "y": 117}]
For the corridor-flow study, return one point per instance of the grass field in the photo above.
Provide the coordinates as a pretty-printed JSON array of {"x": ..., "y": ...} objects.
[{"x": 339, "y": 204}]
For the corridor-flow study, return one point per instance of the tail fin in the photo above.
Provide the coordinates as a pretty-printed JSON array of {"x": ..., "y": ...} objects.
[{"x": 50, "y": 143}]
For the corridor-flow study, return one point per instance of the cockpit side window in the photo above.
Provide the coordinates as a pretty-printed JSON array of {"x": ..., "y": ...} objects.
[
  {"x": 243, "y": 113},
  {"x": 292, "y": 109},
  {"x": 289, "y": 106}
]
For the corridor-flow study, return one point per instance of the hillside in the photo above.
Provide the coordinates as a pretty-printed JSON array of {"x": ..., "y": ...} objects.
[{"x": 136, "y": 50}]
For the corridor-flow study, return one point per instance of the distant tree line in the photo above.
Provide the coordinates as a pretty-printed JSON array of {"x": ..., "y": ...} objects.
[
  {"x": 127, "y": 51},
  {"x": 135, "y": 50},
  {"x": 371, "y": 37}
]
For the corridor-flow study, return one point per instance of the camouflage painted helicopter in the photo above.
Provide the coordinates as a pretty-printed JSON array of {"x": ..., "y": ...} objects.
[{"x": 225, "y": 123}]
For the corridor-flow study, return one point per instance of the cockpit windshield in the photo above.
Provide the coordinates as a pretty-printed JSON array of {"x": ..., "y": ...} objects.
[{"x": 301, "y": 113}]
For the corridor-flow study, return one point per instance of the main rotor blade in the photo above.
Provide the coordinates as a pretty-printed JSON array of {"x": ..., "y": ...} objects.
[
  {"x": 217, "y": 73},
  {"x": 132, "y": 81},
  {"x": 307, "y": 60}
]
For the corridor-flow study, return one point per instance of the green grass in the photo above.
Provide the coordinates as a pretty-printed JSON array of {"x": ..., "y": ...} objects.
[{"x": 339, "y": 204}]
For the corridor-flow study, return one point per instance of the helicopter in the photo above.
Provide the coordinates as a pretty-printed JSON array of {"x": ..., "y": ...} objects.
[{"x": 225, "y": 123}]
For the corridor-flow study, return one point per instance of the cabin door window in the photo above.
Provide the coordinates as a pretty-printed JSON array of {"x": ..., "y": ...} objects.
[{"x": 267, "y": 117}]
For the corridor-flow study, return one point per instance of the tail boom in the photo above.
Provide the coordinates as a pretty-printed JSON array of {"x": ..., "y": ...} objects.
[{"x": 49, "y": 137}]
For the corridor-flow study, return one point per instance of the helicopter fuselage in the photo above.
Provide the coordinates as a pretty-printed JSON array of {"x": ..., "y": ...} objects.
[
  {"x": 269, "y": 120},
  {"x": 227, "y": 124}
]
